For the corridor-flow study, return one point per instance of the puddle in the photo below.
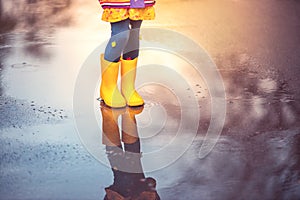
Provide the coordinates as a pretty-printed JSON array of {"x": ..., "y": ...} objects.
[
  {"x": 267, "y": 85},
  {"x": 43, "y": 45}
]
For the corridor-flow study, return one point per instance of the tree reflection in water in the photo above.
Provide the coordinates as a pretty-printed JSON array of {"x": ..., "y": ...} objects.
[{"x": 36, "y": 21}]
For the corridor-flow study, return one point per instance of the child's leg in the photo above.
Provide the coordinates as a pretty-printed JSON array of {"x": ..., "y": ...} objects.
[
  {"x": 131, "y": 50},
  {"x": 119, "y": 38},
  {"x": 129, "y": 64},
  {"x": 109, "y": 91}
]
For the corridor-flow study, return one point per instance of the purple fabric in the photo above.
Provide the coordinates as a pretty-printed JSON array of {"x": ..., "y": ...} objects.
[
  {"x": 137, "y": 4},
  {"x": 146, "y": 5}
]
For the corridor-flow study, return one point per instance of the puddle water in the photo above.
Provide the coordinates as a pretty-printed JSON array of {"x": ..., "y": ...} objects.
[
  {"x": 267, "y": 85},
  {"x": 43, "y": 45}
]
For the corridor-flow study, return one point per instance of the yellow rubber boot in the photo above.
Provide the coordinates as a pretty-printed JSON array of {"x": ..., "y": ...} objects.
[
  {"x": 109, "y": 91},
  {"x": 128, "y": 73}
]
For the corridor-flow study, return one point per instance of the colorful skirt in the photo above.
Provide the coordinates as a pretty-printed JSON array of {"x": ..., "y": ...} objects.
[{"x": 119, "y": 14}]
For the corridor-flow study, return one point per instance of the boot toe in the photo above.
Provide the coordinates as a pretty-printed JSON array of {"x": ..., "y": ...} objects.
[
  {"x": 114, "y": 104},
  {"x": 135, "y": 100}
]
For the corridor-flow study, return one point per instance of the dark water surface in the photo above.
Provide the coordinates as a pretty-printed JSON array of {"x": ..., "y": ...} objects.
[{"x": 256, "y": 46}]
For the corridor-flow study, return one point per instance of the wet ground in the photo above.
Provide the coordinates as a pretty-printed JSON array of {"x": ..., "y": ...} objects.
[{"x": 256, "y": 46}]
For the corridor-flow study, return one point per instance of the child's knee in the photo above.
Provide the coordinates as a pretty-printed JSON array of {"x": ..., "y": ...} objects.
[{"x": 120, "y": 40}]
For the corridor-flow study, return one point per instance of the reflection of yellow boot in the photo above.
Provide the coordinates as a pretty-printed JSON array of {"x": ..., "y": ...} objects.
[
  {"x": 109, "y": 91},
  {"x": 129, "y": 127},
  {"x": 110, "y": 128},
  {"x": 128, "y": 73}
]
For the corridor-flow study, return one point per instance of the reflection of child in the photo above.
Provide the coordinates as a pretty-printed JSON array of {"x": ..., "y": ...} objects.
[
  {"x": 125, "y": 17},
  {"x": 125, "y": 160}
]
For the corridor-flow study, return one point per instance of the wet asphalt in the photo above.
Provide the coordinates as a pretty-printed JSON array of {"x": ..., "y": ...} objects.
[{"x": 255, "y": 45}]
